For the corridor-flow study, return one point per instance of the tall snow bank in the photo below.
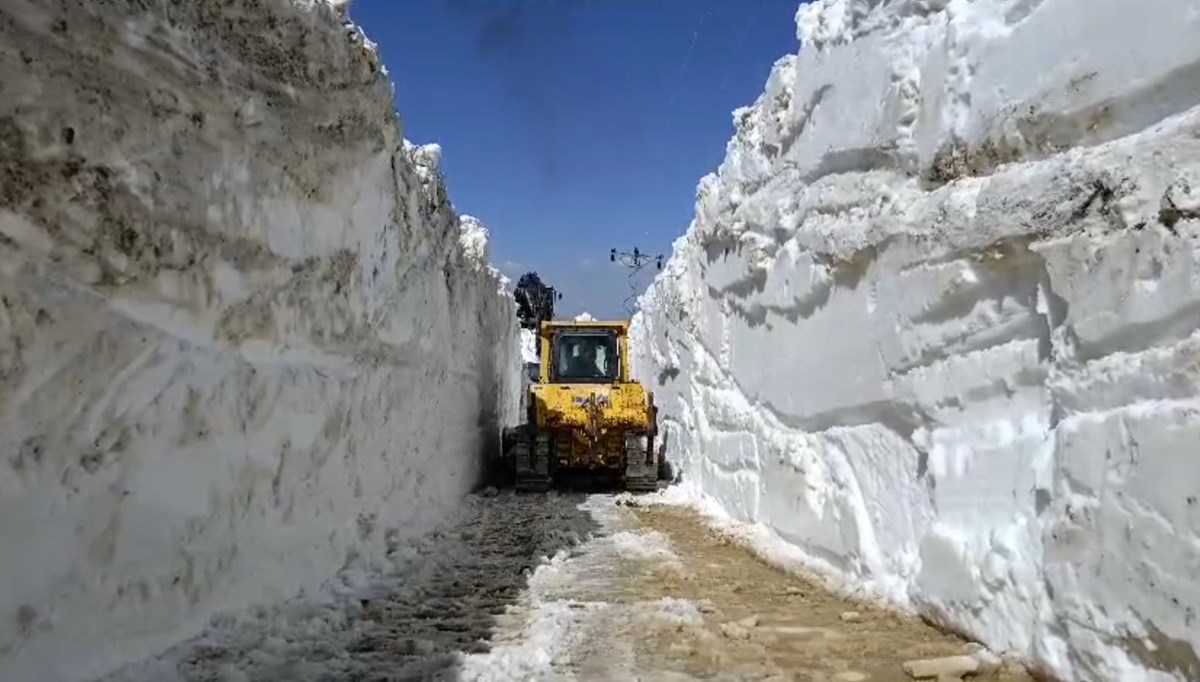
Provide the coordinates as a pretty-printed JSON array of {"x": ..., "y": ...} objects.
[
  {"x": 934, "y": 326},
  {"x": 245, "y": 340}
]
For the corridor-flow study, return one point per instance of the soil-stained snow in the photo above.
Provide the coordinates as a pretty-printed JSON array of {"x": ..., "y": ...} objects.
[
  {"x": 245, "y": 340},
  {"x": 934, "y": 326}
]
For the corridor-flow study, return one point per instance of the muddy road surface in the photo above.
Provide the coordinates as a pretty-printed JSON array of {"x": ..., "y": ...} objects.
[{"x": 563, "y": 587}]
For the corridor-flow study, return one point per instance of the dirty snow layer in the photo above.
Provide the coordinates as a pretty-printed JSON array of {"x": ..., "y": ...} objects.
[
  {"x": 934, "y": 326},
  {"x": 245, "y": 341}
]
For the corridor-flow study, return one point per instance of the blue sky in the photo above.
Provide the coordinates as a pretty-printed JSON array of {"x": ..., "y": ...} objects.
[{"x": 574, "y": 126}]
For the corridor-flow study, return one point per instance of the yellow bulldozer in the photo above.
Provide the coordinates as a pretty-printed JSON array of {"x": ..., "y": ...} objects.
[{"x": 586, "y": 422}]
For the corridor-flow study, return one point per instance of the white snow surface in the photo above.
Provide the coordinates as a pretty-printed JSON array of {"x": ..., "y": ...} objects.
[
  {"x": 245, "y": 340},
  {"x": 933, "y": 335},
  {"x": 529, "y": 347}
]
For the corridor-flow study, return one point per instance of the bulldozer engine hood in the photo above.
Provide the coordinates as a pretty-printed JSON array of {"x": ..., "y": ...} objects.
[{"x": 590, "y": 407}]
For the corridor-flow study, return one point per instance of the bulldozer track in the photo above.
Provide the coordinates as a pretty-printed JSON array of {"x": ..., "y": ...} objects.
[
  {"x": 641, "y": 468},
  {"x": 641, "y": 485},
  {"x": 533, "y": 486},
  {"x": 532, "y": 464}
]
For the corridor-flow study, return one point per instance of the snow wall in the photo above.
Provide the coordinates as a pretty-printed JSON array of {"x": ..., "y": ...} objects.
[
  {"x": 245, "y": 341},
  {"x": 933, "y": 327}
]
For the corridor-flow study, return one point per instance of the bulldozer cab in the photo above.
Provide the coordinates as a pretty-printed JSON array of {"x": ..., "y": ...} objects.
[{"x": 584, "y": 353}]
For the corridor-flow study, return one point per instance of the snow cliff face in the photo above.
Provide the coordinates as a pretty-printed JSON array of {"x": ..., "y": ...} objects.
[
  {"x": 245, "y": 340},
  {"x": 934, "y": 326}
]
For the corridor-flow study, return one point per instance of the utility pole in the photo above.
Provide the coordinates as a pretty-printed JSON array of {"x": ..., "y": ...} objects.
[{"x": 635, "y": 261}]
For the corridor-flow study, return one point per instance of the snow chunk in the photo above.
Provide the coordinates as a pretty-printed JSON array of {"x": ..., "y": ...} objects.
[
  {"x": 645, "y": 546},
  {"x": 529, "y": 347},
  {"x": 473, "y": 240},
  {"x": 672, "y": 610}
]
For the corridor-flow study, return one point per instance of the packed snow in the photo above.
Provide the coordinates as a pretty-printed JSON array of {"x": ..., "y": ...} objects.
[
  {"x": 933, "y": 331},
  {"x": 529, "y": 354},
  {"x": 245, "y": 341}
]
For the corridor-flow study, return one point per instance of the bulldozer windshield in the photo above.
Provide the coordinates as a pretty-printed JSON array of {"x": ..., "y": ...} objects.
[{"x": 585, "y": 357}]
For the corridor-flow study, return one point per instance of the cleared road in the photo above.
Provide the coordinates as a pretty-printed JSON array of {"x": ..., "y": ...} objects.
[{"x": 632, "y": 593}]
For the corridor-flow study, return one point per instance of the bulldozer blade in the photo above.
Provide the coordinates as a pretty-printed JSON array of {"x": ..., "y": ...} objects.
[
  {"x": 641, "y": 485},
  {"x": 532, "y": 485}
]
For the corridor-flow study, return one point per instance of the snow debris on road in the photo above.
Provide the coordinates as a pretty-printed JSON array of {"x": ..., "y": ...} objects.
[
  {"x": 432, "y": 617},
  {"x": 245, "y": 340},
  {"x": 762, "y": 542},
  {"x": 933, "y": 331},
  {"x": 651, "y": 545},
  {"x": 520, "y": 587},
  {"x": 568, "y": 599},
  {"x": 556, "y": 587}
]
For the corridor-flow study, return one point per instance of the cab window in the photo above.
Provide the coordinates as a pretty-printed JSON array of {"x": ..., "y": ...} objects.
[{"x": 585, "y": 357}]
